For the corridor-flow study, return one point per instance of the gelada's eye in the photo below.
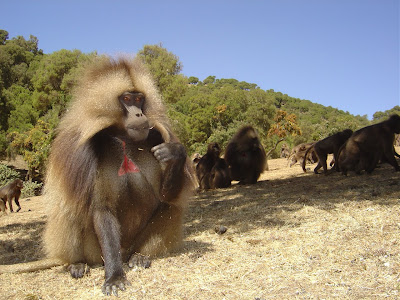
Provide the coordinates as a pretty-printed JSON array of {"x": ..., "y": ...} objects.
[{"x": 127, "y": 98}]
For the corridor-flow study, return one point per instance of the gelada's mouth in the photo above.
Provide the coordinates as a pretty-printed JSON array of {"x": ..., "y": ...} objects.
[{"x": 140, "y": 128}]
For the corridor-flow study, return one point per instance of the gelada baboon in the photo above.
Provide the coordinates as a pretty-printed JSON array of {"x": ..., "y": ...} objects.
[
  {"x": 245, "y": 156},
  {"x": 10, "y": 191},
  {"x": 298, "y": 151},
  {"x": 205, "y": 164},
  {"x": 211, "y": 170},
  {"x": 118, "y": 179},
  {"x": 328, "y": 145},
  {"x": 285, "y": 153},
  {"x": 219, "y": 175},
  {"x": 368, "y": 145},
  {"x": 195, "y": 158},
  {"x": 300, "y": 147}
]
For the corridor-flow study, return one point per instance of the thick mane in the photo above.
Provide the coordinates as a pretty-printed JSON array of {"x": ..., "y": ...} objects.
[
  {"x": 68, "y": 157},
  {"x": 95, "y": 104}
]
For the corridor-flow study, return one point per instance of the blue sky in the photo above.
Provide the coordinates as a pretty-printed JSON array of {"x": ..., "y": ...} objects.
[{"x": 339, "y": 53}]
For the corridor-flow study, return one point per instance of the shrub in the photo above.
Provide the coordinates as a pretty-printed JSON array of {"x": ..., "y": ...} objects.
[
  {"x": 7, "y": 175},
  {"x": 31, "y": 188}
]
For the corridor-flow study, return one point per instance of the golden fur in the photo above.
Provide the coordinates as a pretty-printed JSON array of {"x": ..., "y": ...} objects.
[{"x": 109, "y": 78}]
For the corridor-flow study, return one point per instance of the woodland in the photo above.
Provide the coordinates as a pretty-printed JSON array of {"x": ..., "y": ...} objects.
[{"x": 35, "y": 89}]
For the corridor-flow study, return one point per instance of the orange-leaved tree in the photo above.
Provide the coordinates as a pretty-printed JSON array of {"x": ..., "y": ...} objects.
[{"x": 284, "y": 125}]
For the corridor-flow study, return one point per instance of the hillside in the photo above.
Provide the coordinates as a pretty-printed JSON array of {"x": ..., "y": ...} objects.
[{"x": 292, "y": 235}]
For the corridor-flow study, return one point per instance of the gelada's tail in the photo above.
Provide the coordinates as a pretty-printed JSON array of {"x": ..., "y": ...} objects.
[{"x": 32, "y": 266}]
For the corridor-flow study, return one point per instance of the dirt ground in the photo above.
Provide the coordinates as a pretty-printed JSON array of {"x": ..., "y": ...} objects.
[{"x": 293, "y": 235}]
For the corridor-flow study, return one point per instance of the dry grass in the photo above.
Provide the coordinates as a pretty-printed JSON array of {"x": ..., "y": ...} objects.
[{"x": 290, "y": 236}]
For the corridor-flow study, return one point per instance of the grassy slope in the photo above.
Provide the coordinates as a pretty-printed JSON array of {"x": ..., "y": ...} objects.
[{"x": 292, "y": 235}]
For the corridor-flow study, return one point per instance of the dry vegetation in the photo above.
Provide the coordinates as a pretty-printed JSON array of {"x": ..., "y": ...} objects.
[{"x": 290, "y": 236}]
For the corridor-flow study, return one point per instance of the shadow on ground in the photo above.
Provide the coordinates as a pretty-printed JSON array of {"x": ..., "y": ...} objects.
[
  {"x": 25, "y": 247},
  {"x": 251, "y": 206}
]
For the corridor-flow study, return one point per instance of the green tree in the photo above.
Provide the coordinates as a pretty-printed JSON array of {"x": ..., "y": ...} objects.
[
  {"x": 22, "y": 115},
  {"x": 15, "y": 57},
  {"x": 165, "y": 68},
  {"x": 193, "y": 80},
  {"x": 3, "y": 36},
  {"x": 260, "y": 111},
  {"x": 209, "y": 80},
  {"x": 380, "y": 116},
  {"x": 49, "y": 82},
  {"x": 33, "y": 86},
  {"x": 34, "y": 145}
]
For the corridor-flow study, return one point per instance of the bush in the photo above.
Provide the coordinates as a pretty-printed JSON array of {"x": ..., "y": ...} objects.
[
  {"x": 7, "y": 175},
  {"x": 31, "y": 188}
]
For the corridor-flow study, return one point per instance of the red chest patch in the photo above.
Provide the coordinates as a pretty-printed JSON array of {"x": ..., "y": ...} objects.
[{"x": 127, "y": 165}]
